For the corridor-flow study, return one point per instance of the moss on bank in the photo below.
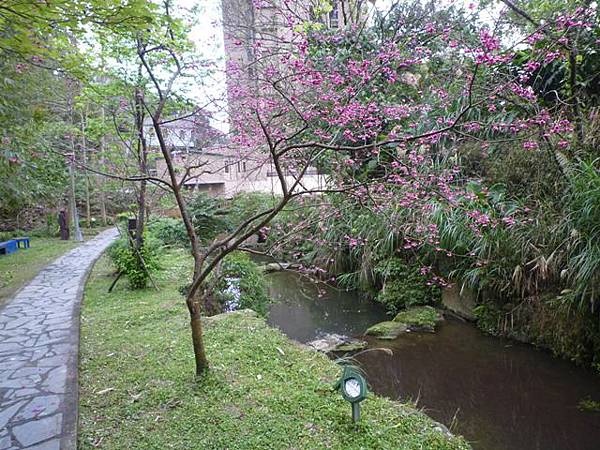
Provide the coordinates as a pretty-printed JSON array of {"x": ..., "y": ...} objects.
[
  {"x": 263, "y": 390},
  {"x": 421, "y": 317},
  {"x": 387, "y": 330},
  {"x": 548, "y": 323}
]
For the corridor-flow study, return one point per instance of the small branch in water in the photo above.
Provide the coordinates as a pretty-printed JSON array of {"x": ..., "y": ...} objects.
[
  {"x": 352, "y": 359},
  {"x": 387, "y": 351}
]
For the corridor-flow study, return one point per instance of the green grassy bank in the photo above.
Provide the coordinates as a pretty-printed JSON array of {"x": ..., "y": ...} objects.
[{"x": 263, "y": 390}]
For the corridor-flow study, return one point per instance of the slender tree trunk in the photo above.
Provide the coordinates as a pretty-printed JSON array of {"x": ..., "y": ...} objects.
[
  {"x": 139, "y": 232},
  {"x": 100, "y": 179},
  {"x": 73, "y": 204},
  {"x": 194, "y": 306},
  {"x": 102, "y": 196},
  {"x": 197, "y": 337},
  {"x": 73, "y": 200},
  {"x": 192, "y": 301},
  {"x": 142, "y": 155},
  {"x": 88, "y": 208}
]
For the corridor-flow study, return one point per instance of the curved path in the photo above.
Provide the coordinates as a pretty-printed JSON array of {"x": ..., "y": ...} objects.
[{"x": 39, "y": 345}]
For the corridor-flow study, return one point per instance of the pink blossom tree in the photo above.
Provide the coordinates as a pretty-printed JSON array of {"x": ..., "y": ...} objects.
[{"x": 373, "y": 105}]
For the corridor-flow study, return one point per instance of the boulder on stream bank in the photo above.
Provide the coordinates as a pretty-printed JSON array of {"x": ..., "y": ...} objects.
[
  {"x": 352, "y": 345},
  {"x": 418, "y": 319},
  {"x": 336, "y": 343},
  {"x": 278, "y": 266},
  {"x": 460, "y": 300},
  {"x": 421, "y": 318},
  {"x": 387, "y": 330}
]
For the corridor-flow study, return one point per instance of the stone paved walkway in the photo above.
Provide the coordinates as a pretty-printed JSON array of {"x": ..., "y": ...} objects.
[{"x": 39, "y": 345}]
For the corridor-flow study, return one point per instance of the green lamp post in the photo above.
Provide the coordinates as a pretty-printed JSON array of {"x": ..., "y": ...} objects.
[{"x": 354, "y": 389}]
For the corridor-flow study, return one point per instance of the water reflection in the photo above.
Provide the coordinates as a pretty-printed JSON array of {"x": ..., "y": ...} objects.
[
  {"x": 501, "y": 395},
  {"x": 303, "y": 315},
  {"x": 498, "y": 394}
]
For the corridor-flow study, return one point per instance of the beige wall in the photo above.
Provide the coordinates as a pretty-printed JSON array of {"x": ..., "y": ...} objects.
[{"x": 224, "y": 174}]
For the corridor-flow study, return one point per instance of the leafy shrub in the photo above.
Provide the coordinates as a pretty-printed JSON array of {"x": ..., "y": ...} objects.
[
  {"x": 52, "y": 229},
  {"x": 37, "y": 232},
  {"x": 587, "y": 404},
  {"x": 488, "y": 254},
  {"x": 128, "y": 262},
  {"x": 582, "y": 226},
  {"x": 7, "y": 235},
  {"x": 123, "y": 217},
  {"x": 488, "y": 317},
  {"x": 208, "y": 216},
  {"x": 403, "y": 286},
  {"x": 531, "y": 173},
  {"x": 93, "y": 223},
  {"x": 169, "y": 231},
  {"x": 240, "y": 277},
  {"x": 247, "y": 204}
]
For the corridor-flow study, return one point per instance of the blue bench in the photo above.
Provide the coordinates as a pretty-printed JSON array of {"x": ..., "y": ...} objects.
[
  {"x": 8, "y": 247},
  {"x": 22, "y": 240}
]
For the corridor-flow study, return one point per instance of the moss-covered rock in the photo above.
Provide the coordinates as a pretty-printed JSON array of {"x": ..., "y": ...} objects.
[
  {"x": 277, "y": 267},
  {"x": 387, "y": 330},
  {"x": 327, "y": 343},
  {"x": 336, "y": 343},
  {"x": 422, "y": 318},
  {"x": 351, "y": 346}
]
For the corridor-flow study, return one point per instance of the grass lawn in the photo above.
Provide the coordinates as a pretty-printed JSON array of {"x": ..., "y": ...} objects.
[
  {"x": 18, "y": 268},
  {"x": 263, "y": 391}
]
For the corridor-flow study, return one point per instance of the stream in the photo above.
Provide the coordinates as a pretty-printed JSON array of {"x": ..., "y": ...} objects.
[{"x": 498, "y": 394}]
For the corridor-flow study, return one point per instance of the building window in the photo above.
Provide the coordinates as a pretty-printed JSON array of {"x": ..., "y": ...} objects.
[
  {"x": 244, "y": 166},
  {"x": 226, "y": 166},
  {"x": 238, "y": 166}
]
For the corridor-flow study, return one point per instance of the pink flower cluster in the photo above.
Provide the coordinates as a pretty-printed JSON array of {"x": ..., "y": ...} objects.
[{"x": 355, "y": 242}]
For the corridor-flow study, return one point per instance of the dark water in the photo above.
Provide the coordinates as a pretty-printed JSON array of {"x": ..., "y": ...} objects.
[
  {"x": 498, "y": 394},
  {"x": 304, "y": 316}
]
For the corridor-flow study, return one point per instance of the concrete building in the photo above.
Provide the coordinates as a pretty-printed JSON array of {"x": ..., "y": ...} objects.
[
  {"x": 250, "y": 26},
  {"x": 246, "y": 22},
  {"x": 203, "y": 157},
  {"x": 185, "y": 132}
]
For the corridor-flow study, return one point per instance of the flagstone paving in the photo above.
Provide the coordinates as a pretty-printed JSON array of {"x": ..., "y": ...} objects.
[{"x": 39, "y": 345}]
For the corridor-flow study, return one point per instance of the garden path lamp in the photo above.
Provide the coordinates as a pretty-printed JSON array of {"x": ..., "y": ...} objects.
[{"x": 354, "y": 389}]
